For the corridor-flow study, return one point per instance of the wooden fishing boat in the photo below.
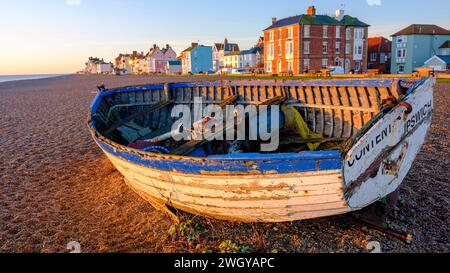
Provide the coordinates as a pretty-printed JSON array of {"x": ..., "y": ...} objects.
[{"x": 376, "y": 128}]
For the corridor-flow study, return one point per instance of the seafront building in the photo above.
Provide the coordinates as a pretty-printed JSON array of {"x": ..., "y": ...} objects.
[
  {"x": 379, "y": 54},
  {"x": 415, "y": 45},
  {"x": 310, "y": 41},
  {"x": 98, "y": 66},
  {"x": 441, "y": 61},
  {"x": 246, "y": 59},
  {"x": 197, "y": 59},
  {"x": 123, "y": 64},
  {"x": 219, "y": 52},
  {"x": 157, "y": 59}
]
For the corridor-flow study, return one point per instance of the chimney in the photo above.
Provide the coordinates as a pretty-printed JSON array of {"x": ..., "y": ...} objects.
[
  {"x": 274, "y": 20},
  {"x": 340, "y": 14},
  {"x": 167, "y": 46},
  {"x": 194, "y": 44},
  {"x": 312, "y": 10},
  {"x": 154, "y": 46}
]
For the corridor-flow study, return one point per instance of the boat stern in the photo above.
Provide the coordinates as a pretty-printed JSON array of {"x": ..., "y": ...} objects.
[{"x": 382, "y": 155}]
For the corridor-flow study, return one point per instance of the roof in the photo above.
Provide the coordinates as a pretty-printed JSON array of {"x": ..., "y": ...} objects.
[
  {"x": 286, "y": 22},
  {"x": 353, "y": 21},
  {"x": 317, "y": 20},
  {"x": 421, "y": 29},
  {"x": 445, "y": 58},
  {"x": 227, "y": 47},
  {"x": 174, "y": 62},
  {"x": 189, "y": 49},
  {"x": 445, "y": 45},
  {"x": 254, "y": 50}
]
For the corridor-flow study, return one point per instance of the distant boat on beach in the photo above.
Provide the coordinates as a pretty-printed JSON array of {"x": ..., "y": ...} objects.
[{"x": 10, "y": 78}]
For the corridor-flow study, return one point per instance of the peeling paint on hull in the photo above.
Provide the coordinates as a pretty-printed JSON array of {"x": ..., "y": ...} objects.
[{"x": 263, "y": 198}]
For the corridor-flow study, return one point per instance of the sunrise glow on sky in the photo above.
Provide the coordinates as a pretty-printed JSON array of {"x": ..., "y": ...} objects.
[{"x": 57, "y": 36}]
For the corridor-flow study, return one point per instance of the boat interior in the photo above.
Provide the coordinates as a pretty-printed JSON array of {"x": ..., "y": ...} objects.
[{"x": 329, "y": 112}]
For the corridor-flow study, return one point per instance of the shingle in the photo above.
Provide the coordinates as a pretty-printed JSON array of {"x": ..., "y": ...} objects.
[
  {"x": 353, "y": 21},
  {"x": 420, "y": 29},
  {"x": 445, "y": 45},
  {"x": 444, "y": 58},
  {"x": 317, "y": 20}
]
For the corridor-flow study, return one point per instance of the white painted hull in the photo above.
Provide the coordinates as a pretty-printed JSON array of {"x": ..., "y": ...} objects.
[{"x": 255, "y": 198}]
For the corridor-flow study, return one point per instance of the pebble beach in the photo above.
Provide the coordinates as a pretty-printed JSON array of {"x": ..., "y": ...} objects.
[{"x": 56, "y": 187}]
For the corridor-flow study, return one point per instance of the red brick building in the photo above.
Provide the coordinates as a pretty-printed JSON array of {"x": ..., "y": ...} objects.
[
  {"x": 379, "y": 54},
  {"x": 312, "y": 42}
]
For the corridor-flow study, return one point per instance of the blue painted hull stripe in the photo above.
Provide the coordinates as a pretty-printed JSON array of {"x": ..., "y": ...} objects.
[{"x": 239, "y": 164}]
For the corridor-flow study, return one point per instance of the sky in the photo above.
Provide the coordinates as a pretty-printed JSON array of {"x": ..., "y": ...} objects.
[{"x": 58, "y": 36}]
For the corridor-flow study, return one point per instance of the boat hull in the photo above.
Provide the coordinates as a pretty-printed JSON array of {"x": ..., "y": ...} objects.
[
  {"x": 247, "y": 198},
  {"x": 284, "y": 187}
]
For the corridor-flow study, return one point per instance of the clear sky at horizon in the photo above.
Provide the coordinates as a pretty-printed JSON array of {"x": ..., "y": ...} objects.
[{"x": 57, "y": 36}]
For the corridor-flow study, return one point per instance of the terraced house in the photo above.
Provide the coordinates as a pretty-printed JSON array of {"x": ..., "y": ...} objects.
[
  {"x": 308, "y": 42},
  {"x": 416, "y": 44}
]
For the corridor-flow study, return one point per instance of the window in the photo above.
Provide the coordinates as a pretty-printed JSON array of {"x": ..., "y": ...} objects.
[
  {"x": 359, "y": 50},
  {"x": 271, "y": 36},
  {"x": 290, "y": 66},
  {"x": 401, "y": 68},
  {"x": 279, "y": 67},
  {"x": 373, "y": 57},
  {"x": 359, "y": 33},
  {"x": 338, "y": 32},
  {"x": 324, "y": 63},
  {"x": 307, "y": 31},
  {"x": 325, "y": 31},
  {"x": 383, "y": 58},
  {"x": 270, "y": 52},
  {"x": 402, "y": 39},
  {"x": 306, "y": 64},
  {"x": 268, "y": 66},
  {"x": 348, "y": 34},
  {"x": 401, "y": 53},
  {"x": 306, "y": 47},
  {"x": 280, "y": 49},
  {"x": 289, "y": 50},
  {"x": 338, "y": 47},
  {"x": 280, "y": 34},
  {"x": 347, "y": 48},
  {"x": 290, "y": 34},
  {"x": 325, "y": 48}
]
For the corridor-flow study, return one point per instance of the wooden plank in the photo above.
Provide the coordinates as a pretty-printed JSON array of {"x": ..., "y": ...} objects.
[
  {"x": 358, "y": 122},
  {"x": 365, "y": 103},
  {"x": 310, "y": 99},
  {"x": 274, "y": 101},
  {"x": 374, "y": 98},
  {"x": 329, "y": 113},
  {"x": 299, "y": 197},
  {"x": 132, "y": 117},
  {"x": 321, "y": 112},
  {"x": 338, "y": 112},
  {"x": 348, "y": 119}
]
